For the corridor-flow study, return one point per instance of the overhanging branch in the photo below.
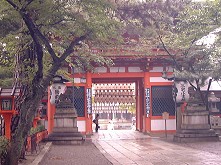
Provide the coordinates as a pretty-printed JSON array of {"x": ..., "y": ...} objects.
[
  {"x": 35, "y": 33},
  {"x": 168, "y": 52},
  {"x": 69, "y": 50}
]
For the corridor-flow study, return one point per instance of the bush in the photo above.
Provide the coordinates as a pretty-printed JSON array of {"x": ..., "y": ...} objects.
[
  {"x": 41, "y": 128},
  {"x": 33, "y": 130},
  {"x": 4, "y": 143}
]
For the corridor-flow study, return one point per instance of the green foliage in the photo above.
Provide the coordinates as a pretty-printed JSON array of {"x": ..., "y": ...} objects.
[
  {"x": 6, "y": 76},
  {"x": 60, "y": 22},
  {"x": 4, "y": 144},
  {"x": 151, "y": 18},
  {"x": 33, "y": 130},
  {"x": 194, "y": 22},
  {"x": 194, "y": 58}
]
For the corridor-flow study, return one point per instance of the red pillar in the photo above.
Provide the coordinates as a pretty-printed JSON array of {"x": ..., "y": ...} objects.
[
  {"x": 146, "y": 120},
  {"x": 7, "y": 118},
  {"x": 50, "y": 114}
]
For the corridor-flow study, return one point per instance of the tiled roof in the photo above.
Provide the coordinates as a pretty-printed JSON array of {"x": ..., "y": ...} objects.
[{"x": 10, "y": 91}]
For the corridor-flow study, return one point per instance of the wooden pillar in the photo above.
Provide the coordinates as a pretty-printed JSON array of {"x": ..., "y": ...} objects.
[
  {"x": 50, "y": 113},
  {"x": 146, "y": 117},
  {"x": 7, "y": 119},
  {"x": 138, "y": 106}
]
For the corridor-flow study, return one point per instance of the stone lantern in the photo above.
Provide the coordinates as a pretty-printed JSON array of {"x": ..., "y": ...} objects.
[{"x": 213, "y": 100}]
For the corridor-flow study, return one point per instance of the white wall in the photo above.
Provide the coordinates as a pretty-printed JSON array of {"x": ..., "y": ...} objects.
[
  {"x": 158, "y": 79},
  {"x": 81, "y": 126},
  {"x": 159, "y": 124}
]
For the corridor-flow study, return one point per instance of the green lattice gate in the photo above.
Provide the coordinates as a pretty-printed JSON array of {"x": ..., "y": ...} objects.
[{"x": 162, "y": 100}]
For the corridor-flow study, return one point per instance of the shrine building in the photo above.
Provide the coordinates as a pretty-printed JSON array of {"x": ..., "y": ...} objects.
[{"x": 135, "y": 80}]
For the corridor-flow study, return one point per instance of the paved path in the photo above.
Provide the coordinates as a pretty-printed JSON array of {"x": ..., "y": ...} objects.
[{"x": 129, "y": 147}]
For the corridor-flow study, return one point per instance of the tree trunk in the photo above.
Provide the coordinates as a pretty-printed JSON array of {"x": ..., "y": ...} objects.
[
  {"x": 25, "y": 123},
  {"x": 32, "y": 97}
]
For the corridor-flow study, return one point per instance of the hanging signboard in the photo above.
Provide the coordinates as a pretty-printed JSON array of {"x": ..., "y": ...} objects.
[
  {"x": 182, "y": 91},
  {"x": 89, "y": 101},
  {"x": 55, "y": 91},
  {"x": 147, "y": 98}
]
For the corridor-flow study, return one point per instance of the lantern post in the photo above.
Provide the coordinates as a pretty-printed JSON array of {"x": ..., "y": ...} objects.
[
  {"x": 57, "y": 87},
  {"x": 7, "y": 107}
]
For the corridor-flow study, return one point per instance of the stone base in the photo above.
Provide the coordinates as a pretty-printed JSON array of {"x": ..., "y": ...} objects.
[
  {"x": 195, "y": 136},
  {"x": 194, "y": 126},
  {"x": 65, "y": 129},
  {"x": 66, "y": 138}
]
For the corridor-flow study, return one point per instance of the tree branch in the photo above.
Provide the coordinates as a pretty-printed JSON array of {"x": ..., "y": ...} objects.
[
  {"x": 168, "y": 52},
  {"x": 191, "y": 44},
  {"x": 28, "y": 2},
  {"x": 36, "y": 32},
  {"x": 13, "y": 5},
  {"x": 69, "y": 50}
]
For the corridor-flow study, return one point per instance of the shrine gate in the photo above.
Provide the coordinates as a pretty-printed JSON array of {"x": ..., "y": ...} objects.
[{"x": 152, "y": 95}]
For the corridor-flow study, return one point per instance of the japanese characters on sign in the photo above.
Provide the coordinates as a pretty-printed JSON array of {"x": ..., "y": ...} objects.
[
  {"x": 182, "y": 91},
  {"x": 55, "y": 91},
  {"x": 89, "y": 101},
  {"x": 147, "y": 98}
]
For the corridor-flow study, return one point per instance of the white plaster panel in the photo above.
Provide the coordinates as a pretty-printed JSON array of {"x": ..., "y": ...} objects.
[
  {"x": 100, "y": 70},
  {"x": 169, "y": 69},
  {"x": 77, "y": 80},
  {"x": 158, "y": 79},
  {"x": 81, "y": 126},
  {"x": 159, "y": 125},
  {"x": 117, "y": 69},
  {"x": 157, "y": 69},
  {"x": 134, "y": 69},
  {"x": 160, "y": 69}
]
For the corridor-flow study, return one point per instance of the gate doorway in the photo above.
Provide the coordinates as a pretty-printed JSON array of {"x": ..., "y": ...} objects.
[{"x": 116, "y": 105}]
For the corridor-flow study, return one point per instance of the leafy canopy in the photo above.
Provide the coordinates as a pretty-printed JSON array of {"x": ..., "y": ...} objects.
[{"x": 54, "y": 25}]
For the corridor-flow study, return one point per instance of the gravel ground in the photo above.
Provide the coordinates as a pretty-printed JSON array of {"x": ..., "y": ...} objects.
[{"x": 85, "y": 154}]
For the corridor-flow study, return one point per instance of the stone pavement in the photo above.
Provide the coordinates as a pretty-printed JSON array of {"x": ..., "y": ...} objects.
[{"x": 128, "y": 147}]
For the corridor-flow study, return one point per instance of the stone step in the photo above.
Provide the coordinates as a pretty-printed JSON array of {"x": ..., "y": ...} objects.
[
  {"x": 54, "y": 138},
  {"x": 66, "y": 142},
  {"x": 193, "y": 131},
  {"x": 65, "y": 129},
  {"x": 189, "y": 126},
  {"x": 69, "y": 139},
  {"x": 195, "y": 139},
  {"x": 66, "y": 134},
  {"x": 195, "y": 135}
]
